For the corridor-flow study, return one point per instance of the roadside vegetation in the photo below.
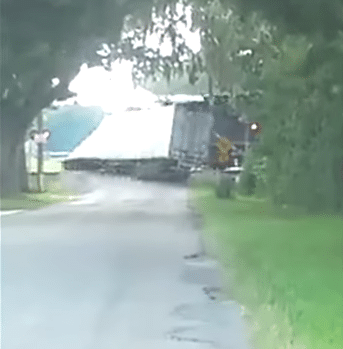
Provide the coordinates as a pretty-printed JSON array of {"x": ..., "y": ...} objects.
[
  {"x": 280, "y": 64},
  {"x": 54, "y": 192},
  {"x": 282, "y": 264},
  {"x": 279, "y": 232},
  {"x": 33, "y": 201}
]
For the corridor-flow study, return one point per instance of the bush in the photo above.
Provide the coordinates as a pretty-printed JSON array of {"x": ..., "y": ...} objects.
[
  {"x": 253, "y": 180},
  {"x": 247, "y": 183},
  {"x": 224, "y": 188}
]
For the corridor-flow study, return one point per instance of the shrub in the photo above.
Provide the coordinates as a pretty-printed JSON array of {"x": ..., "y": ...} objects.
[{"x": 224, "y": 188}]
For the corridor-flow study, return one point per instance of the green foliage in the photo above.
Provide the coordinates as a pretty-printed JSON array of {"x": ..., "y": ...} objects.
[
  {"x": 258, "y": 172},
  {"x": 224, "y": 188},
  {"x": 306, "y": 16},
  {"x": 225, "y": 39},
  {"x": 149, "y": 62},
  {"x": 41, "y": 40},
  {"x": 289, "y": 77},
  {"x": 46, "y": 39},
  {"x": 248, "y": 179},
  {"x": 259, "y": 169},
  {"x": 297, "y": 99},
  {"x": 248, "y": 183},
  {"x": 302, "y": 133},
  {"x": 288, "y": 270}
]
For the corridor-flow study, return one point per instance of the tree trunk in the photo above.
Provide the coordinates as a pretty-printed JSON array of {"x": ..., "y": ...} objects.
[
  {"x": 24, "y": 181},
  {"x": 13, "y": 175}
]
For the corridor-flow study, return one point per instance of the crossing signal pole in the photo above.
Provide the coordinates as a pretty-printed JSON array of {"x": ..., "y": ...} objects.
[{"x": 40, "y": 137}]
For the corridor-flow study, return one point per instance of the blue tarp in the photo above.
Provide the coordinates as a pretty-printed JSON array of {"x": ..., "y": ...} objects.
[{"x": 69, "y": 125}]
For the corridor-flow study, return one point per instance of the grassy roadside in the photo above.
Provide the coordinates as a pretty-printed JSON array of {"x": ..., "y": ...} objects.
[
  {"x": 32, "y": 201},
  {"x": 54, "y": 193},
  {"x": 287, "y": 269}
]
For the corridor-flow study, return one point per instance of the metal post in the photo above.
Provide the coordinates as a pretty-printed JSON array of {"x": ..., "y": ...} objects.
[
  {"x": 210, "y": 86},
  {"x": 210, "y": 90},
  {"x": 30, "y": 156},
  {"x": 40, "y": 154},
  {"x": 246, "y": 136}
]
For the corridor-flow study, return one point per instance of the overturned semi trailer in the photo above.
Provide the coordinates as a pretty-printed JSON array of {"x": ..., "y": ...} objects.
[
  {"x": 142, "y": 143},
  {"x": 163, "y": 142}
]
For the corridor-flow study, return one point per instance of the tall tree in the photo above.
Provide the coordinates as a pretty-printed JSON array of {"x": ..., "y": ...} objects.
[
  {"x": 307, "y": 17},
  {"x": 298, "y": 86},
  {"x": 157, "y": 47},
  {"x": 41, "y": 40}
]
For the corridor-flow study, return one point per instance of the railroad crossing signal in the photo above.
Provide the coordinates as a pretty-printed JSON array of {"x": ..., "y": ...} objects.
[{"x": 40, "y": 137}]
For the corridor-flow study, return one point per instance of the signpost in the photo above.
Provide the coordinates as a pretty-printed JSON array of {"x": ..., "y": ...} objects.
[{"x": 40, "y": 137}]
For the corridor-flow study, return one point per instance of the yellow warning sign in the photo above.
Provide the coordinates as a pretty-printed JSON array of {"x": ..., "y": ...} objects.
[{"x": 224, "y": 146}]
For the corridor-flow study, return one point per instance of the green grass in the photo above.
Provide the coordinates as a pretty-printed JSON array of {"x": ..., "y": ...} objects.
[
  {"x": 32, "y": 201},
  {"x": 288, "y": 268},
  {"x": 54, "y": 193}
]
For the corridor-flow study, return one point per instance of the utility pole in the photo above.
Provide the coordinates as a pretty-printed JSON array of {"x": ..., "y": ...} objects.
[
  {"x": 246, "y": 136},
  {"x": 210, "y": 86},
  {"x": 211, "y": 101},
  {"x": 211, "y": 97},
  {"x": 40, "y": 136},
  {"x": 40, "y": 154},
  {"x": 30, "y": 157}
]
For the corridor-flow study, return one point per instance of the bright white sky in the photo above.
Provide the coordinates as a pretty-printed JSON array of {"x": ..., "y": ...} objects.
[
  {"x": 114, "y": 90},
  {"x": 131, "y": 134},
  {"x": 109, "y": 90}
]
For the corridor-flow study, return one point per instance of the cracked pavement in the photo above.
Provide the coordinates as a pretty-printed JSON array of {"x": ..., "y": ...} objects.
[{"x": 113, "y": 270}]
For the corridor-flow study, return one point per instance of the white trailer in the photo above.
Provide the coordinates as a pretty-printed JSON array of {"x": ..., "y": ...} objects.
[{"x": 156, "y": 142}]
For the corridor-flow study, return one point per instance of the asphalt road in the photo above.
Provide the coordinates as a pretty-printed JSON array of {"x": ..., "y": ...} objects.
[{"x": 109, "y": 272}]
